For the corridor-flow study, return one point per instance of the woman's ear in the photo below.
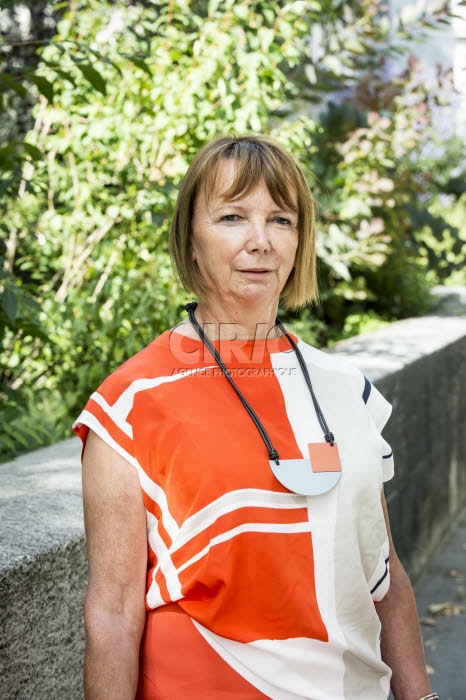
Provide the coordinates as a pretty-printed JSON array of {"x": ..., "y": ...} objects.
[{"x": 192, "y": 247}]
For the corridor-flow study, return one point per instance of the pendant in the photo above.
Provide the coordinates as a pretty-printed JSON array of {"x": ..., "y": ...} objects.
[{"x": 313, "y": 476}]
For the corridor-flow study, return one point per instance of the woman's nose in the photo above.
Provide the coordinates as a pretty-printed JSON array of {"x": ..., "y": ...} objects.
[{"x": 258, "y": 238}]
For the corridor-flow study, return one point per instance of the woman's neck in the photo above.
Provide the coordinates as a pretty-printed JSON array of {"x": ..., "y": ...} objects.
[{"x": 224, "y": 324}]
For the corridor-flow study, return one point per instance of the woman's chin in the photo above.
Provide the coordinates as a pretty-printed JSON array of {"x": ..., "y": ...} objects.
[{"x": 255, "y": 294}]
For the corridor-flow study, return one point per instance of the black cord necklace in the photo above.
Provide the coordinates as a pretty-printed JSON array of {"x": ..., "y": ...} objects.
[{"x": 319, "y": 478}]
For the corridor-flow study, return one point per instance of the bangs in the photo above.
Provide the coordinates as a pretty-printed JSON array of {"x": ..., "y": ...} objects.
[{"x": 254, "y": 165}]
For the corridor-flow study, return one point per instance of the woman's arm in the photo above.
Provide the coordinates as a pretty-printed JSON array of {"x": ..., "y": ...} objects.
[
  {"x": 114, "y": 609},
  {"x": 402, "y": 647}
]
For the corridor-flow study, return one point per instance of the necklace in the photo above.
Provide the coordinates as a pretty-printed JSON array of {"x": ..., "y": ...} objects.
[{"x": 309, "y": 477}]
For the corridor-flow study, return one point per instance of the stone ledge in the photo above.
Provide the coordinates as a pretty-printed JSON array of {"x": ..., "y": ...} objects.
[
  {"x": 419, "y": 365},
  {"x": 41, "y": 502},
  {"x": 41, "y": 623},
  {"x": 43, "y": 573},
  {"x": 392, "y": 348}
]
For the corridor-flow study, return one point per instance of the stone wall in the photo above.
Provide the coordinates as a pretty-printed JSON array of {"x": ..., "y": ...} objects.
[
  {"x": 419, "y": 364},
  {"x": 42, "y": 575}
]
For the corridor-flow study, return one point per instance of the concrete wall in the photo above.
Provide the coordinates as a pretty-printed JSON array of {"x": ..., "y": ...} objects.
[
  {"x": 42, "y": 575},
  {"x": 419, "y": 364}
]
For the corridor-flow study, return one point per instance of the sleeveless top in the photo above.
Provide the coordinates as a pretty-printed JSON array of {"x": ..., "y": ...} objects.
[{"x": 252, "y": 591}]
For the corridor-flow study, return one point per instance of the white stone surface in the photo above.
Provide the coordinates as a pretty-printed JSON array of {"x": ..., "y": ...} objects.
[
  {"x": 392, "y": 347},
  {"x": 40, "y": 501}
]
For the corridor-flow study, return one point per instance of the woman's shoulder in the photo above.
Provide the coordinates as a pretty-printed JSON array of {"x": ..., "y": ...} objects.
[
  {"x": 341, "y": 371},
  {"x": 149, "y": 362},
  {"x": 328, "y": 361}
]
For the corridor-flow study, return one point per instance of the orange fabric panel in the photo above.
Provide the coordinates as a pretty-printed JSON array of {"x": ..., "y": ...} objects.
[
  {"x": 176, "y": 663},
  {"x": 263, "y": 603},
  {"x": 233, "y": 519},
  {"x": 221, "y": 449}
]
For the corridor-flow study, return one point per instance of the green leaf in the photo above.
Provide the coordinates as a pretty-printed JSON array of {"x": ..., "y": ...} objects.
[
  {"x": 34, "y": 331},
  {"x": 140, "y": 63},
  {"x": 7, "y": 447},
  {"x": 32, "y": 151},
  {"x": 5, "y": 184},
  {"x": 44, "y": 86},
  {"x": 21, "y": 437},
  {"x": 101, "y": 57},
  {"x": 58, "y": 46},
  {"x": 9, "y": 82},
  {"x": 8, "y": 4},
  {"x": 65, "y": 75},
  {"x": 93, "y": 77},
  {"x": 9, "y": 156},
  {"x": 10, "y": 304},
  {"x": 62, "y": 73}
]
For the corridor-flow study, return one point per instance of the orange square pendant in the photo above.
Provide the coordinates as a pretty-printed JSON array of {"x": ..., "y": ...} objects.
[{"x": 324, "y": 457}]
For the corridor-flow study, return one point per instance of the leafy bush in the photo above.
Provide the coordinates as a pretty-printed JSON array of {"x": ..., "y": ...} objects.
[
  {"x": 128, "y": 93},
  {"x": 383, "y": 167}
]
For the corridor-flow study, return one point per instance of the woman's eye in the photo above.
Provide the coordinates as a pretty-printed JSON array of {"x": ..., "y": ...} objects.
[
  {"x": 283, "y": 221},
  {"x": 230, "y": 217}
]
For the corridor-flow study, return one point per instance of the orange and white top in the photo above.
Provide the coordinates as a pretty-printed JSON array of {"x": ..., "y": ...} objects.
[{"x": 252, "y": 591}]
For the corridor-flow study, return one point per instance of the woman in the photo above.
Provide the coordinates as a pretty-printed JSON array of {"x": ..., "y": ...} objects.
[{"x": 238, "y": 538}]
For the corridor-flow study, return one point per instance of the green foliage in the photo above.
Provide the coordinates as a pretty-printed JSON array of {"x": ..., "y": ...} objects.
[
  {"x": 118, "y": 120},
  {"x": 389, "y": 228},
  {"x": 124, "y": 95},
  {"x": 355, "y": 324},
  {"x": 442, "y": 233},
  {"x": 20, "y": 332},
  {"x": 27, "y": 421}
]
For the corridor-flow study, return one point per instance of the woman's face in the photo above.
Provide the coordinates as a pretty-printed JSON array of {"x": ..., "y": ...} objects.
[{"x": 245, "y": 249}]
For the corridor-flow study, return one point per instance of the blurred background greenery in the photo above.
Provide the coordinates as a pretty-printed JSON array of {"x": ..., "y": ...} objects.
[{"x": 103, "y": 106}]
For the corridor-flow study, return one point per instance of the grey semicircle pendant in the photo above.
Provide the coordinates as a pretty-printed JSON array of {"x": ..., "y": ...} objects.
[{"x": 297, "y": 476}]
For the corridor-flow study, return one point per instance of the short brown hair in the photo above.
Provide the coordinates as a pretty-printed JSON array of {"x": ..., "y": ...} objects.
[{"x": 256, "y": 158}]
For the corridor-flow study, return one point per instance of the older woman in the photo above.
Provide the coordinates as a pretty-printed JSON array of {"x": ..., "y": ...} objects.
[{"x": 238, "y": 538}]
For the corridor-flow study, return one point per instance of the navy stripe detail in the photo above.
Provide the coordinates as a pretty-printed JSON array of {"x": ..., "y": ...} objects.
[
  {"x": 388, "y": 456},
  {"x": 367, "y": 390},
  {"x": 383, "y": 577}
]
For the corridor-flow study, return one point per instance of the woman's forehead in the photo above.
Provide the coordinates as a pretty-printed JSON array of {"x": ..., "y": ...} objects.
[
  {"x": 221, "y": 179},
  {"x": 227, "y": 181}
]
